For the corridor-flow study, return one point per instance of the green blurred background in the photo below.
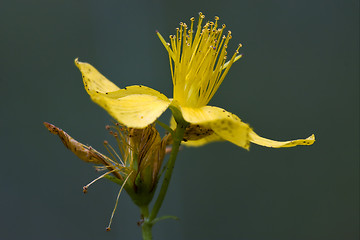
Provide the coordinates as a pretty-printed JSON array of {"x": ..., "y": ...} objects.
[{"x": 299, "y": 75}]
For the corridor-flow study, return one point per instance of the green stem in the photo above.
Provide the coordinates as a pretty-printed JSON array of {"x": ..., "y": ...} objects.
[
  {"x": 146, "y": 225},
  {"x": 146, "y": 231},
  {"x": 150, "y": 219},
  {"x": 177, "y": 138}
]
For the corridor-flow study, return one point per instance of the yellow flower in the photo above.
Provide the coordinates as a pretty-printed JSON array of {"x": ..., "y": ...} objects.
[{"x": 198, "y": 67}]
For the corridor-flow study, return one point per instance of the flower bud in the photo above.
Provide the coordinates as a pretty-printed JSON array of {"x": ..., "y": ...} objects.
[{"x": 142, "y": 153}]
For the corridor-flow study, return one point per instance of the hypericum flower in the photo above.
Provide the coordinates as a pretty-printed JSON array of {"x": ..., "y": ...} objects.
[
  {"x": 198, "y": 67},
  {"x": 138, "y": 169}
]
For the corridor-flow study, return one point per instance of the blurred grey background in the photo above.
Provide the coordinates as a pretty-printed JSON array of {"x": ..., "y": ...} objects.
[{"x": 299, "y": 75}]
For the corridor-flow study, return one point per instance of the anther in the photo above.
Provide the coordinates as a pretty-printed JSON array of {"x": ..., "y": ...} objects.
[
  {"x": 106, "y": 142},
  {"x": 85, "y": 189},
  {"x": 192, "y": 19},
  {"x": 107, "y": 127},
  {"x": 108, "y": 229},
  {"x": 216, "y": 18}
]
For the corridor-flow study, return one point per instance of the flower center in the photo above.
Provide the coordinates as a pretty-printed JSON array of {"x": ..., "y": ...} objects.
[{"x": 197, "y": 61}]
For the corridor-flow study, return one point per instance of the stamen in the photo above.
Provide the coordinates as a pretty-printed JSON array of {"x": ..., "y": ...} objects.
[
  {"x": 113, "y": 159},
  {"x": 113, "y": 150},
  {"x": 116, "y": 203},
  {"x": 120, "y": 140},
  {"x": 172, "y": 71},
  {"x": 100, "y": 168},
  {"x": 198, "y": 63},
  {"x": 165, "y": 44},
  {"x": 191, "y": 29},
  {"x": 85, "y": 188}
]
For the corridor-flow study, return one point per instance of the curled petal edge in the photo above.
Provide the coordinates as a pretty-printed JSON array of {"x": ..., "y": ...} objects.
[
  {"x": 254, "y": 138},
  {"x": 227, "y": 126}
]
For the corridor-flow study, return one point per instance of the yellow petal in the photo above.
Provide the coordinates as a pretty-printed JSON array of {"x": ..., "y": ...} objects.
[
  {"x": 136, "y": 89},
  {"x": 200, "y": 138},
  {"x": 94, "y": 81},
  {"x": 134, "y": 110},
  {"x": 202, "y": 141},
  {"x": 254, "y": 138},
  {"x": 224, "y": 124},
  {"x": 134, "y": 106}
]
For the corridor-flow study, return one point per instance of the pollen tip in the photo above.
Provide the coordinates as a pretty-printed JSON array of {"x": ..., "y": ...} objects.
[
  {"x": 85, "y": 189},
  {"x": 108, "y": 229},
  {"x": 157, "y": 31}
]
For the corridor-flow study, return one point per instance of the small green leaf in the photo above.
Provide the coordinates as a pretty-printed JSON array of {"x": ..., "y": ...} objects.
[{"x": 164, "y": 218}]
